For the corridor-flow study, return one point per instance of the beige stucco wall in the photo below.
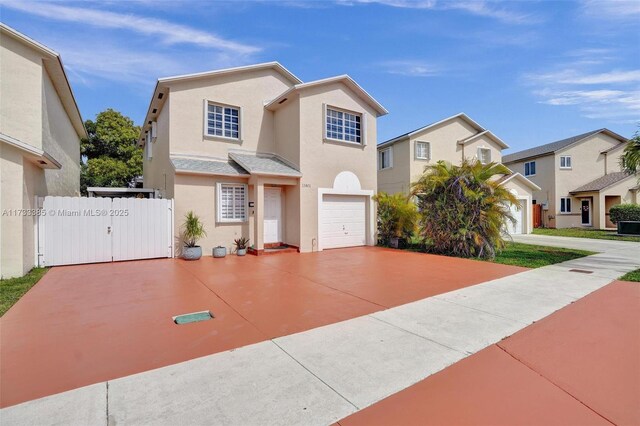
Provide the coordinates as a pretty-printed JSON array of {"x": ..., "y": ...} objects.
[
  {"x": 60, "y": 140},
  {"x": 247, "y": 90},
  {"x": 158, "y": 172},
  {"x": 397, "y": 178},
  {"x": 321, "y": 161},
  {"x": 21, "y": 74},
  {"x": 524, "y": 194},
  {"x": 545, "y": 179},
  {"x": 444, "y": 146}
]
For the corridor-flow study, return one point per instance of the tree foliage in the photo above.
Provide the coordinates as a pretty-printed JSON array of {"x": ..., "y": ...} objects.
[
  {"x": 397, "y": 217},
  {"x": 624, "y": 212},
  {"x": 110, "y": 155},
  {"x": 631, "y": 157},
  {"x": 463, "y": 209}
]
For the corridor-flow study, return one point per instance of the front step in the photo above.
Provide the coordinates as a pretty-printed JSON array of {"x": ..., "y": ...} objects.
[{"x": 274, "y": 249}]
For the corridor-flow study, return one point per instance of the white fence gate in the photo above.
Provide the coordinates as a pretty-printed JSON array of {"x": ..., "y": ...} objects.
[{"x": 73, "y": 230}]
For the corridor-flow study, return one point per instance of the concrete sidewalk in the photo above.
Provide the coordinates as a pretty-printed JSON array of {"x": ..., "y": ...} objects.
[{"x": 322, "y": 375}]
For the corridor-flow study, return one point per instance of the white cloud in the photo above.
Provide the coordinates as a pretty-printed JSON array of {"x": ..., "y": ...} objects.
[
  {"x": 612, "y": 9},
  {"x": 410, "y": 68},
  {"x": 167, "y": 32},
  {"x": 474, "y": 7},
  {"x": 573, "y": 77}
]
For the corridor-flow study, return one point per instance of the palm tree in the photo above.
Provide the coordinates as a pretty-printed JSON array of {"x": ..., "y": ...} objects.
[
  {"x": 464, "y": 209},
  {"x": 631, "y": 157}
]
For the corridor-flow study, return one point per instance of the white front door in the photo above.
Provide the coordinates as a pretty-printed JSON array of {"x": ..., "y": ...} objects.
[
  {"x": 343, "y": 221},
  {"x": 272, "y": 215}
]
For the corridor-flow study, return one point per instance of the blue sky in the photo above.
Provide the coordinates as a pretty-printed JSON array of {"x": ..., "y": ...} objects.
[{"x": 532, "y": 72}]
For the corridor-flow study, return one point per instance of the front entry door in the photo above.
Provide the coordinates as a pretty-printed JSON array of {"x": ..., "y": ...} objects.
[
  {"x": 586, "y": 212},
  {"x": 272, "y": 215}
]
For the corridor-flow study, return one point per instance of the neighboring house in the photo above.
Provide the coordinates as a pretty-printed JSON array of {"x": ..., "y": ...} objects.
[
  {"x": 401, "y": 160},
  {"x": 257, "y": 153},
  {"x": 40, "y": 132},
  {"x": 580, "y": 178}
]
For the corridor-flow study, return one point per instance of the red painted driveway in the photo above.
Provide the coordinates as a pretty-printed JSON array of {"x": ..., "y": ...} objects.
[{"x": 90, "y": 323}]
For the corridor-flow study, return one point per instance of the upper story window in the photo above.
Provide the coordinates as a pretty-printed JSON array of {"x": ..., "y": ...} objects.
[
  {"x": 343, "y": 126},
  {"x": 565, "y": 161},
  {"x": 423, "y": 150},
  {"x": 385, "y": 158},
  {"x": 484, "y": 155},
  {"x": 232, "y": 202},
  {"x": 565, "y": 205},
  {"x": 530, "y": 168},
  {"x": 223, "y": 121}
]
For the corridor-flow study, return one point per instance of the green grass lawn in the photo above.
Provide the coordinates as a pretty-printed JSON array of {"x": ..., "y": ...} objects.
[
  {"x": 532, "y": 256},
  {"x": 13, "y": 289},
  {"x": 631, "y": 276},
  {"x": 597, "y": 234}
]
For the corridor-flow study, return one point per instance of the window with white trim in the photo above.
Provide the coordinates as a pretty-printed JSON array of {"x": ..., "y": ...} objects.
[
  {"x": 530, "y": 168},
  {"x": 565, "y": 161},
  {"x": 565, "y": 205},
  {"x": 484, "y": 155},
  {"x": 423, "y": 150},
  {"x": 343, "y": 126},
  {"x": 232, "y": 202},
  {"x": 223, "y": 121},
  {"x": 385, "y": 159}
]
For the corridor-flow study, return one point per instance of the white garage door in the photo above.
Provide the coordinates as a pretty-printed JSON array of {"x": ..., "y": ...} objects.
[
  {"x": 517, "y": 215},
  {"x": 343, "y": 221}
]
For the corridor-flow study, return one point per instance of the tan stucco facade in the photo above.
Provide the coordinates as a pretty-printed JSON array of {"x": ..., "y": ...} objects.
[
  {"x": 40, "y": 131},
  {"x": 591, "y": 158},
  {"x": 292, "y": 129}
]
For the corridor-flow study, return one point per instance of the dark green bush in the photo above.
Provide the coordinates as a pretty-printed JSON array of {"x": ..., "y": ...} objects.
[{"x": 624, "y": 212}]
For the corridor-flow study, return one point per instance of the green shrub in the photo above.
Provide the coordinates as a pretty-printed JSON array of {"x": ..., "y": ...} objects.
[
  {"x": 463, "y": 209},
  {"x": 193, "y": 230},
  {"x": 397, "y": 217},
  {"x": 624, "y": 212}
]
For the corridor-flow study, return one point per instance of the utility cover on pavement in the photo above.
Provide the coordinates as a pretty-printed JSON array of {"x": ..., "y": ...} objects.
[{"x": 192, "y": 317}]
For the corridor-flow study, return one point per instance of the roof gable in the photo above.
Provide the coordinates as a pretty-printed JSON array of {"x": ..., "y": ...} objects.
[{"x": 557, "y": 146}]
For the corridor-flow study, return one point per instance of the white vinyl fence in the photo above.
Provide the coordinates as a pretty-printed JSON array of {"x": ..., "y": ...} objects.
[{"x": 73, "y": 230}]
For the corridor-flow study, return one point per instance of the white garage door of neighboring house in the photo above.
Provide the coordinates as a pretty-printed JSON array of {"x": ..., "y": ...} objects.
[
  {"x": 343, "y": 222},
  {"x": 517, "y": 215}
]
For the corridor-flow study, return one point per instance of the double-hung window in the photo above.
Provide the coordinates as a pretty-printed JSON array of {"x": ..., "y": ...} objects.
[
  {"x": 385, "y": 158},
  {"x": 565, "y": 161},
  {"x": 423, "y": 150},
  {"x": 484, "y": 155},
  {"x": 565, "y": 205},
  {"x": 343, "y": 126},
  {"x": 232, "y": 202},
  {"x": 530, "y": 168},
  {"x": 223, "y": 121}
]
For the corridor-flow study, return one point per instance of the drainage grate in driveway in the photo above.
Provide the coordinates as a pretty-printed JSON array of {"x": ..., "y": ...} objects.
[
  {"x": 581, "y": 271},
  {"x": 193, "y": 317}
]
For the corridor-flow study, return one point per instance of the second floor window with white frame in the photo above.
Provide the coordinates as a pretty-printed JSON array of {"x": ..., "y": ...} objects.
[
  {"x": 223, "y": 121},
  {"x": 565, "y": 205},
  {"x": 343, "y": 126},
  {"x": 385, "y": 158},
  {"x": 530, "y": 168},
  {"x": 565, "y": 161},
  {"x": 232, "y": 202},
  {"x": 423, "y": 150},
  {"x": 484, "y": 155}
]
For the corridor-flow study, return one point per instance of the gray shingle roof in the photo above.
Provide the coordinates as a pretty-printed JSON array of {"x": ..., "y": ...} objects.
[
  {"x": 259, "y": 163},
  {"x": 547, "y": 148},
  {"x": 212, "y": 166},
  {"x": 602, "y": 182}
]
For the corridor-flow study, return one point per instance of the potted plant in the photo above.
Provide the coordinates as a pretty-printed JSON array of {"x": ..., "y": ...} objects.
[
  {"x": 219, "y": 251},
  {"x": 241, "y": 245},
  {"x": 193, "y": 230}
]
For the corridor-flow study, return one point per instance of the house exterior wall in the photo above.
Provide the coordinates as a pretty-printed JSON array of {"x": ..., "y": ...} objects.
[
  {"x": 321, "y": 161},
  {"x": 471, "y": 148},
  {"x": 32, "y": 112},
  {"x": 397, "y": 178},
  {"x": 545, "y": 179},
  {"x": 247, "y": 90},
  {"x": 158, "y": 172},
  {"x": 524, "y": 194}
]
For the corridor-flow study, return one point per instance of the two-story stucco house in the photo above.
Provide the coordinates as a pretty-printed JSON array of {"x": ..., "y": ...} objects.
[
  {"x": 580, "y": 178},
  {"x": 401, "y": 160},
  {"x": 257, "y": 153},
  {"x": 40, "y": 132}
]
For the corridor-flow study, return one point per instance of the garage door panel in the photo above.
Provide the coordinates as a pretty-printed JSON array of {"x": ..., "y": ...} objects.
[{"x": 343, "y": 222}]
